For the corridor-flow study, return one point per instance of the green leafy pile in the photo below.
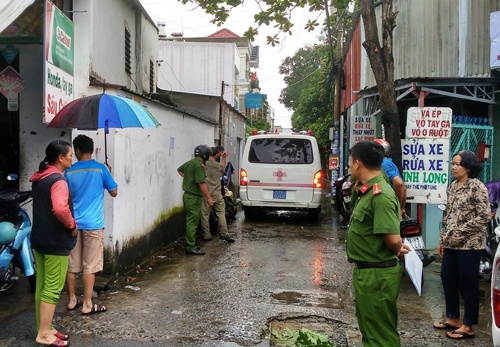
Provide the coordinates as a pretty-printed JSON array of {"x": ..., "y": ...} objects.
[{"x": 300, "y": 338}]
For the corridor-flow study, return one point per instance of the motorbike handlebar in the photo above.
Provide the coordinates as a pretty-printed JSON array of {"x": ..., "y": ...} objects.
[{"x": 13, "y": 195}]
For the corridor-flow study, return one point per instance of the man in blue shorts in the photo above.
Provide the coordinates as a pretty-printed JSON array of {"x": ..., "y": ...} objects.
[{"x": 87, "y": 180}]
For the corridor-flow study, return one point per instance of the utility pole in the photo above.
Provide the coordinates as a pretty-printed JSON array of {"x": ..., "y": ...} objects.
[
  {"x": 221, "y": 109},
  {"x": 336, "y": 153}
]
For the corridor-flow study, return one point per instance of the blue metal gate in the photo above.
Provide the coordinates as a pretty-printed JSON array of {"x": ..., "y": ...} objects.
[{"x": 467, "y": 137}]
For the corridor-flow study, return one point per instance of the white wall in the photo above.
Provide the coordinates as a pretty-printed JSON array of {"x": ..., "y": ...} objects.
[
  {"x": 145, "y": 168},
  {"x": 100, "y": 44},
  {"x": 198, "y": 67}
]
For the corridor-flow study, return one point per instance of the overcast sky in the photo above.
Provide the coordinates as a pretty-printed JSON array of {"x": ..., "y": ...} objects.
[{"x": 193, "y": 22}]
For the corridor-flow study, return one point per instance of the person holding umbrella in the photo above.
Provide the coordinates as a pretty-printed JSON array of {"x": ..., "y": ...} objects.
[
  {"x": 193, "y": 184},
  {"x": 53, "y": 236},
  {"x": 87, "y": 180}
]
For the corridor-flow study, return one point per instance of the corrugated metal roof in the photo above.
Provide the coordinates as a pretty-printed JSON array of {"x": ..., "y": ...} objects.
[{"x": 426, "y": 39}]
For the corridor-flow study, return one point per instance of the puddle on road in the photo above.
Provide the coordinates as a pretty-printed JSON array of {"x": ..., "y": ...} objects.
[{"x": 306, "y": 298}]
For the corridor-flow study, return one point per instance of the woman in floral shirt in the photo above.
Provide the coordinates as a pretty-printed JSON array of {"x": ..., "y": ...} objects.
[{"x": 461, "y": 243}]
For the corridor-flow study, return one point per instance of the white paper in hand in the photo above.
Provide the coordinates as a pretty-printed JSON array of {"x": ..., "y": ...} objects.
[{"x": 414, "y": 267}]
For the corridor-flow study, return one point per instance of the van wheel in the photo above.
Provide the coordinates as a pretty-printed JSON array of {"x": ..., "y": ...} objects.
[
  {"x": 313, "y": 215},
  {"x": 249, "y": 213}
]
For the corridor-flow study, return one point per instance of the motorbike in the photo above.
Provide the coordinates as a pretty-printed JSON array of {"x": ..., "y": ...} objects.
[
  {"x": 231, "y": 203},
  {"x": 411, "y": 230},
  {"x": 15, "y": 245},
  {"x": 230, "y": 200},
  {"x": 343, "y": 199},
  {"x": 486, "y": 262}
]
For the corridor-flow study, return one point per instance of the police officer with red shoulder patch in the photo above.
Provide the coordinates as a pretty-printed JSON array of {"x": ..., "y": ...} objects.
[{"x": 374, "y": 245}]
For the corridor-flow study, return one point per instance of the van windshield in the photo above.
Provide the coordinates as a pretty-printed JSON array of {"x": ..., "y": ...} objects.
[{"x": 281, "y": 150}]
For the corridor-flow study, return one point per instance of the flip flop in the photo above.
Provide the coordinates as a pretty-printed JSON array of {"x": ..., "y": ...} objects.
[
  {"x": 57, "y": 343},
  {"x": 462, "y": 335},
  {"x": 61, "y": 336},
  {"x": 78, "y": 304},
  {"x": 96, "y": 308},
  {"x": 444, "y": 325}
]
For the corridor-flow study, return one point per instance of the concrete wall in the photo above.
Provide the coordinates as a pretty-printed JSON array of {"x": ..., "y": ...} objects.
[
  {"x": 233, "y": 124},
  {"x": 198, "y": 67},
  {"x": 100, "y": 37}
]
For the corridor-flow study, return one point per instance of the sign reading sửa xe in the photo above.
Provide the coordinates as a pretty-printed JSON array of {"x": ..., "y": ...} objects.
[
  {"x": 426, "y": 152},
  {"x": 59, "y": 61}
]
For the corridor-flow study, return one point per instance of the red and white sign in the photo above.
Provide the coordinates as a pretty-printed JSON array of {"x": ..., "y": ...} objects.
[
  {"x": 279, "y": 174},
  {"x": 428, "y": 123},
  {"x": 362, "y": 128}
]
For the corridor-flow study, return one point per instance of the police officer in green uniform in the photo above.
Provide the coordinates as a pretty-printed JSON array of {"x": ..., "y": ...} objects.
[
  {"x": 193, "y": 184},
  {"x": 374, "y": 245}
]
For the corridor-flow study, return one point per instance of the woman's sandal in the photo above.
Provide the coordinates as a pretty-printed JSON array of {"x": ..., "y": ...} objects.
[
  {"x": 462, "y": 335},
  {"x": 57, "y": 343},
  {"x": 61, "y": 336},
  {"x": 444, "y": 325}
]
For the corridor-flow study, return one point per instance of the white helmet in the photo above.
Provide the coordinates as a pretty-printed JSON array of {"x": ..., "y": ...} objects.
[{"x": 386, "y": 145}]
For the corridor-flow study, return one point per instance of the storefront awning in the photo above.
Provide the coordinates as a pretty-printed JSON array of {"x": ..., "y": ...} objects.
[{"x": 21, "y": 21}]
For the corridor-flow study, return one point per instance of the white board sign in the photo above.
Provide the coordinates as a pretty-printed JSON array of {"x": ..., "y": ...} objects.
[
  {"x": 362, "y": 128},
  {"x": 425, "y": 169},
  {"x": 428, "y": 122}
]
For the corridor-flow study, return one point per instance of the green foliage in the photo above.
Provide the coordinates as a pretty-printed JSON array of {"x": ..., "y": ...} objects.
[
  {"x": 273, "y": 12},
  {"x": 257, "y": 124},
  {"x": 301, "y": 338},
  {"x": 310, "y": 91}
]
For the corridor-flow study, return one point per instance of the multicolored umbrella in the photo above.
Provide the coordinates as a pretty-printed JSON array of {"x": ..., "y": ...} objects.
[{"x": 103, "y": 111}]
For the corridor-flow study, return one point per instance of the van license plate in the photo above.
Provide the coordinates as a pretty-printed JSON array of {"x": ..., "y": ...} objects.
[
  {"x": 279, "y": 194},
  {"x": 417, "y": 242}
]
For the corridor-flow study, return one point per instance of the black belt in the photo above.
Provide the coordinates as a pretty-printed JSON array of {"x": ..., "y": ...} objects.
[{"x": 363, "y": 265}]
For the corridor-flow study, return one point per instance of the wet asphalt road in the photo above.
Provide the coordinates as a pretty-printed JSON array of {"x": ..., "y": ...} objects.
[{"x": 281, "y": 271}]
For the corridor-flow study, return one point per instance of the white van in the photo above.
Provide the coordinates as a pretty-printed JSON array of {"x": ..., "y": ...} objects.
[{"x": 281, "y": 172}]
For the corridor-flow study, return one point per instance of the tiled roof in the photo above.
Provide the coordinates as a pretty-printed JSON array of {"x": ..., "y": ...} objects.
[{"x": 222, "y": 34}]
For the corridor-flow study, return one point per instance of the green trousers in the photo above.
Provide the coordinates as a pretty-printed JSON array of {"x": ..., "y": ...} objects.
[
  {"x": 51, "y": 273},
  {"x": 376, "y": 293},
  {"x": 192, "y": 206}
]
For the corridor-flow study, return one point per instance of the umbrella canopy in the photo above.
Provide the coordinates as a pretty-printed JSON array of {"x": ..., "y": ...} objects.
[{"x": 103, "y": 111}]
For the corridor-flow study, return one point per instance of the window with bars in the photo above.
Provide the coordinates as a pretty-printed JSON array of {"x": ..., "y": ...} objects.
[
  {"x": 151, "y": 76},
  {"x": 128, "y": 51}
]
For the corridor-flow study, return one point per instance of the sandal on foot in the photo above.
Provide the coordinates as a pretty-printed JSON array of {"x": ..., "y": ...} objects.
[
  {"x": 61, "y": 336},
  {"x": 444, "y": 325},
  {"x": 96, "y": 308},
  {"x": 57, "y": 343},
  {"x": 78, "y": 304},
  {"x": 462, "y": 335}
]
